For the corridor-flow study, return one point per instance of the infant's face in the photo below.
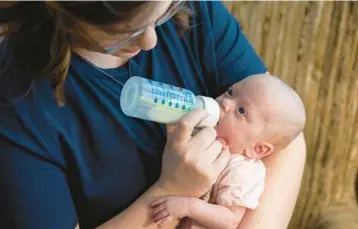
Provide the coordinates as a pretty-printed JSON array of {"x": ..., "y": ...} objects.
[{"x": 241, "y": 121}]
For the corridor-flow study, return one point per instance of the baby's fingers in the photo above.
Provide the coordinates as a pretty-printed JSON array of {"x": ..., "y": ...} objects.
[
  {"x": 165, "y": 221},
  {"x": 158, "y": 201},
  {"x": 158, "y": 209},
  {"x": 160, "y": 215}
]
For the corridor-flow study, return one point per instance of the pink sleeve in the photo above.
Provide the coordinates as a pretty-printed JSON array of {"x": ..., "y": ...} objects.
[{"x": 241, "y": 184}]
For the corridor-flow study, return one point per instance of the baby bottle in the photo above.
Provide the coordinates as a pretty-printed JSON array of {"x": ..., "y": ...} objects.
[{"x": 154, "y": 101}]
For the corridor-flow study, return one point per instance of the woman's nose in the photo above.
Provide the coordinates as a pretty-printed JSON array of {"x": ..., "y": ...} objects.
[{"x": 147, "y": 40}]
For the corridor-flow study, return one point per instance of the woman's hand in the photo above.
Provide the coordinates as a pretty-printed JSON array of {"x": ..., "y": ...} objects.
[{"x": 191, "y": 164}]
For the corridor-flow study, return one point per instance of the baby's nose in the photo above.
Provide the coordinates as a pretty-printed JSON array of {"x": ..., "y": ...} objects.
[{"x": 227, "y": 105}]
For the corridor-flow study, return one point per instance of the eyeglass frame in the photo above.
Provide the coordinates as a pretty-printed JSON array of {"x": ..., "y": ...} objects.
[{"x": 135, "y": 35}]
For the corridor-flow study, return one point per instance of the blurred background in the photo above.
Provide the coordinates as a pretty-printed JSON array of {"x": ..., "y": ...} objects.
[{"x": 313, "y": 46}]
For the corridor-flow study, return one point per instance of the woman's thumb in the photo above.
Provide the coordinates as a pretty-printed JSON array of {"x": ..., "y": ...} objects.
[{"x": 222, "y": 160}]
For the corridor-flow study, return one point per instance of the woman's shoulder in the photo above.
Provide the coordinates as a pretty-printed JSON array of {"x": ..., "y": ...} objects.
[
  {"x": 210, "y": 12},
  {"x": 234, "y": 58}
]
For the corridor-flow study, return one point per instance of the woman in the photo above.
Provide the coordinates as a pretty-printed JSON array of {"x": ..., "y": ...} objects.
[{"x": 71, "y": 159}]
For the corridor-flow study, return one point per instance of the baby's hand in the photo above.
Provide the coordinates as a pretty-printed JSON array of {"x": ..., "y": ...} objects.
[{"x": 168, "y": 208}]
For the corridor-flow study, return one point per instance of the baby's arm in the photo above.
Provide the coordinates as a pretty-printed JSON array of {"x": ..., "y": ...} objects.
[
  {"x": 207, "y": 215},
  {"x": 215, "y": 216}
]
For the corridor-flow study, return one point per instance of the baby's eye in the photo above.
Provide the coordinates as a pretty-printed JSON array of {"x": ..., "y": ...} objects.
[
  {"x": 241, "y": 110},
  {"x": 230, "y": 92}
]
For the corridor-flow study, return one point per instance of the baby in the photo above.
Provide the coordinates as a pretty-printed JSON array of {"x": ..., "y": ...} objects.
[{"x": 259, "y": 115}]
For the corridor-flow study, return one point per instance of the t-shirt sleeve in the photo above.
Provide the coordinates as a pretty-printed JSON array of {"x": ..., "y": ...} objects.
[
  {"x": 34, "y": 191},
  {"x": 242, "y": 185},
  {"x": 234, "y": 58}
]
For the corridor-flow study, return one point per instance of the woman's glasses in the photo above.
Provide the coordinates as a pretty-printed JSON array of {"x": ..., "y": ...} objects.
[{"x": 173, "y": 9}]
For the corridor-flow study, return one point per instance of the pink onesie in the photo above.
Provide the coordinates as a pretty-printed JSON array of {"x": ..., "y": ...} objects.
[{"x": 241, "y": 183}]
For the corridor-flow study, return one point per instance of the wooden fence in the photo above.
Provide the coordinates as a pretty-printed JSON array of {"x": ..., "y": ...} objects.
[{"x": 313, "y": 46}]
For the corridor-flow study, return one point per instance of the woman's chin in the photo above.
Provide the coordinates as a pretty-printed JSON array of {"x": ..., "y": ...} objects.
[{"x": 127, "y": 54}]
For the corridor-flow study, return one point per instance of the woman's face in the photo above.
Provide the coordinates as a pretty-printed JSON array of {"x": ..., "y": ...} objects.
[{"x": 142, "y": 20}]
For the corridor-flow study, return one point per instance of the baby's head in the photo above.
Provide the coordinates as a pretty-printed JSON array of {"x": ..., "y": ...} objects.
[{"x": 260, "y": 115}]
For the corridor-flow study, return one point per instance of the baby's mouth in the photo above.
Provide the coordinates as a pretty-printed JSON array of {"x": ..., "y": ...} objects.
[
  {"x": 222, "y": 141},
  {"x": 218, "y": 138}
]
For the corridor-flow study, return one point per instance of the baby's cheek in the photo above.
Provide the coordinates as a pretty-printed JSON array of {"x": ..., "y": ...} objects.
[
  {"x": 226, "y": 132},
  {"x": 220, "y": 129},
  {"x": 232, "y": 136}
]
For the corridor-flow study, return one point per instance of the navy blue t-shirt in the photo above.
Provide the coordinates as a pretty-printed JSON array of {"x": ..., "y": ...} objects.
[{"x": 87, "y": 162}]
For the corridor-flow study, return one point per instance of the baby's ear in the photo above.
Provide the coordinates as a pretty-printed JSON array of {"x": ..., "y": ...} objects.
[{"x": 262, "y": 149}]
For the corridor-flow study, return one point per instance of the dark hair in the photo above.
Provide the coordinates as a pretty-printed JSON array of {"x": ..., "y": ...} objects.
[{"x": 50, "y": 30}]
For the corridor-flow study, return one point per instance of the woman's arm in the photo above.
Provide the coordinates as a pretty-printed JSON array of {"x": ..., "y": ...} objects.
[
  {"x": 207, "y": 215},
  {"x": 215, "y": 216},
  {"x": 138, "y": 215},
  {"x": 284, "y": 175}
]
